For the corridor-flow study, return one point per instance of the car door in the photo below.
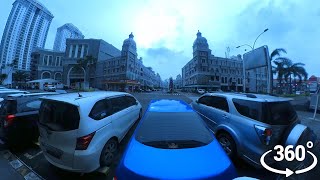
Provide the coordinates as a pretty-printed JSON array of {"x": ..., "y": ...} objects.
[
  {"x": 218, "y": 109},
  {"x": 133, "y": 110},
  {"x": 121, "y": 116},
  {"x": 202, "y": 106}
]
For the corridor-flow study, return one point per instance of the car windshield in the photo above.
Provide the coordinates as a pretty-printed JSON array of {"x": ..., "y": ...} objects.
[
  {"x": 173, "y": 130},
  {"x": 58, "y": 116}
]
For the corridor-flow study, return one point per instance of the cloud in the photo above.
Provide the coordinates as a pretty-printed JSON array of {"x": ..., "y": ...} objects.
[{"x": 165, "y": 61}]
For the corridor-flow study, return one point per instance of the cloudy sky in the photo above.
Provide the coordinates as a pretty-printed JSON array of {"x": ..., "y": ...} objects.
[{"x": 165, "y": 30}]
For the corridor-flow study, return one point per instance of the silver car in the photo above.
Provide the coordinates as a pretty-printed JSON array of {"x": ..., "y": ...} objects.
[{"x": 248, "y": 125}]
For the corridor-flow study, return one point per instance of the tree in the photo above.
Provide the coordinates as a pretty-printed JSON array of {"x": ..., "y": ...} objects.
[
  {"x": 19, "y": 76},
  {"x": 295, "y": 70},
  {"x": 86, "y": 63},
  {"x": 280, "y": 63},
  {"x": 3, "y": 77}
]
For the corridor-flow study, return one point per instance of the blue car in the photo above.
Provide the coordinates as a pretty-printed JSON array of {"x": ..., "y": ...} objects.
[{"x": 172, "y": 142}]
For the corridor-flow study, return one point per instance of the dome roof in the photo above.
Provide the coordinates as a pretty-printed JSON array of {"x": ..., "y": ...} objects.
[
  {"x": 130, "y": 41},
  {"x": 200, "y": 40}
]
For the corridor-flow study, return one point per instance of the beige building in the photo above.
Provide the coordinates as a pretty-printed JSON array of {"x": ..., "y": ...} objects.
[{"x": 206, "y": 71}]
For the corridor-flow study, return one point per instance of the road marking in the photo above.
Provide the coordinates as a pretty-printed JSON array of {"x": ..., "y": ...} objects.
[
  {"x": 16, "y": 163},
  {"x": 23, "y": 170},
  {"x": 31, "y": 176},
  {"x": 104, "y": 170},
  {"x": 6, "y": 154},
  {"x": 27, "y": 155},
  {"x": 20, "y": 166}
]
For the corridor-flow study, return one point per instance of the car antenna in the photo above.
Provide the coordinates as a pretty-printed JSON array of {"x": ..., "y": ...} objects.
[{"x": 79, "y": 94}]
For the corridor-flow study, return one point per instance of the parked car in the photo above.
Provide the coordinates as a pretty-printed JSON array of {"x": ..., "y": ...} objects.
[
  {"x": 173, "y": 142},
  {"x": 201, "y": 91},
  {"x": 19, "y": 118},
  {"x": 49, "y": 87},
  {"x": 248, "y": 125},
  {"x": 4, "y": 94},
  {"x": 80, "y": 132}
]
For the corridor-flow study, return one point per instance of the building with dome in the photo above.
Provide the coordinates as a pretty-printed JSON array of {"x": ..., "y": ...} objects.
[
  {"x": 116, "y": 70},
  {"x": 206, "y": 71}
]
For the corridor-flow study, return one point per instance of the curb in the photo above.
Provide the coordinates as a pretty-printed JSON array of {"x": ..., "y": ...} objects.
[{"x": 25, "y": 171}]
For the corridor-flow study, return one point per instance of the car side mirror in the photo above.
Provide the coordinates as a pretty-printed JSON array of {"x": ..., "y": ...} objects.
[
  {"x": 197, "y": 101},
  {"x": 136, "y": 103}
]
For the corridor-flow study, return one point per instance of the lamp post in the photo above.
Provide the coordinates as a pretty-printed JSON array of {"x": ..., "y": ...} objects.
[{"x": 252, "y": 48}]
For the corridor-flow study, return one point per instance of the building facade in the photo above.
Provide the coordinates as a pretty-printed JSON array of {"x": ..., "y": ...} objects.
[
  {"x": 126, "y": 72},
  {"x": 206, "y": 71},
  {"x": 46, "y": 64},
  {"x": 114, "y": 70},
  {"x": 26, "y": 28},
  {"x": 65, "y": 32},
  {"x": 78, "y": 49}
]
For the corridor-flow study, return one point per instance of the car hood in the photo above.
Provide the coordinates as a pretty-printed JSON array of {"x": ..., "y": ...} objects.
[{"x": 146, "y": 162}]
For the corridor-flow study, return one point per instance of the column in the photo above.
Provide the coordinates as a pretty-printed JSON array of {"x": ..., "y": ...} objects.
[
  {"x": 70, "y": 51},
  {"x": 76, "y": 51},
  {"x": 82, "y": 51}
]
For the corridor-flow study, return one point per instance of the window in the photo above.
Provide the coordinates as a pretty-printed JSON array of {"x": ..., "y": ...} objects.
[
  {"x": 176, "y": 130},
  {"x": 50, "y": 61},
  {"x": 100, "y": 110},
  {"x": 59, "y": 116},
  {"x": 250, "y": 109},
  {"x": 131, "y": 101},
  {"x": 205, "y": 100},
  {"x": 219, "y": 103},
  {"x": 45, "y": 60},
  {"x": 118, "y": 104},
  {"x": 30, "y": 106}
]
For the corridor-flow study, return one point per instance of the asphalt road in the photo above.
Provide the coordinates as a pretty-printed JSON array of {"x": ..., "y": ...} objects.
[{"x": 33, "y": 157}]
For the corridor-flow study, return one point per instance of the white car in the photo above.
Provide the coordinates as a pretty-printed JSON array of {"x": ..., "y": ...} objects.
[
  {"x": 49, "y": 88},
  {"x": 201, "y": 91},
  {"x": 80, "y": 132}
]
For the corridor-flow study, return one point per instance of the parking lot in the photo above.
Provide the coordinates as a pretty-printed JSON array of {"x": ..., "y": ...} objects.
[{"x": 35, "y": 161}]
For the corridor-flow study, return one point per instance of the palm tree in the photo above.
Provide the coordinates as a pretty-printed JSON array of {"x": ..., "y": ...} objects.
[
  {"x": 295, "y": 70},
  {"x": 280, "y": 62},
  {"x": 86, "y": 63}
]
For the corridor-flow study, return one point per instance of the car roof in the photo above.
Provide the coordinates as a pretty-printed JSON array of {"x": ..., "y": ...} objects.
[
  {"x": 77, "y": 98},
  {"x": 169, "y": 105},
  {"x": 13, "y": 91},
  {"x": 32, "y": 94},
  {"x": 251, "y": 97}
]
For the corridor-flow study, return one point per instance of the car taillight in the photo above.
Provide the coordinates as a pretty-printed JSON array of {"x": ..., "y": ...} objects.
[
  {"x": 9, "y": 120},
  {"x": 115, "y": 178},
  {"x": 84, "y": 141},
  {"x": 264, "y": 134}
]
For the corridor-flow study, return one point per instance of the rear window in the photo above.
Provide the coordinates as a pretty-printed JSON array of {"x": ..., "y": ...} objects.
[
  {"x": 173, "y": 130},
  {"x": 59, "y": 116},
  {"x": 272, "y": 113},
  {"x": 8, "y": 107},
  {"x": 250, "y": 109},
  {"x": 281, "y": 113}
]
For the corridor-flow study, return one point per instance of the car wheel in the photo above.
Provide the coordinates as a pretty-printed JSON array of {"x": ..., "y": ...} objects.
[
  {"x": 140, "y": 114},
  {"x": 108, "y": 153},
  {"x": 227, "y": 144}
]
